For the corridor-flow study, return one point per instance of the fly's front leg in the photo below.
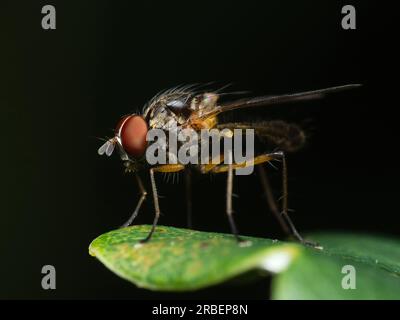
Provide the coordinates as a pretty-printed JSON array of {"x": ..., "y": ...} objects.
[
  {"x": 156, "y": 207},
  {"x": 163, "y": 168},
  {"x": 143, "y": 194}
]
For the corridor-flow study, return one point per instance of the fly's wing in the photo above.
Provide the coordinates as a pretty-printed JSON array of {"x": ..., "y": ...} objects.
[
  {"x": 273, "y": 100},
  {"x": 279, "y": 134}
]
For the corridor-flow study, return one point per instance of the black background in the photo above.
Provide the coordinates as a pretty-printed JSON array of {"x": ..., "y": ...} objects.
[{"x": 61, "y": 89}]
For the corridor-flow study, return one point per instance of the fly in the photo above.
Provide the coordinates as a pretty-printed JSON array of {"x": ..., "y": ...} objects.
[{"x": 188, "y": 107}]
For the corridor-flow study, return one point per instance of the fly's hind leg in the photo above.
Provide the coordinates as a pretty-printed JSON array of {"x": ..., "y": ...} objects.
[
  {"x": 281, "y": 155},
  {"x": 262, "y": 174},
  {"x": 285, "y": 207},
  {"x": 283, "y": 217},
  {"x": 143, "y": 194}
]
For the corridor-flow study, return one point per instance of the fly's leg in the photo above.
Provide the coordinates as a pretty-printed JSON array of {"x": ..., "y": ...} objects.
[
  {"x": 214, "y": 167},
  {"x": 188, "y": 184},
  {"x": 143, "y": 194},
  {"x": 164, "y": 168},
  {"x": 285, "y": 214},
  {"x": 284, "y": 217},
  {"x": 257, "y": 160},
  {"x": 156, "y": 206},
  {"x": 270, "y": 198},
  {"x": 210, "y": 167},
  {"x": 229, "y": 211},
  {"x": 285, "y": 200},
  {"x": 218, "y": 168}
]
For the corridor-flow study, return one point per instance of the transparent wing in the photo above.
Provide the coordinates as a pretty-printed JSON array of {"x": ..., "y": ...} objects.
[{"x": 273, "y": 100}]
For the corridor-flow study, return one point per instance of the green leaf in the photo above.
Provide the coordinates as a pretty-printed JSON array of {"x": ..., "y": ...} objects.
[
  {"x": 180, "y": 260},
  {"x": 318, "y": 275}
]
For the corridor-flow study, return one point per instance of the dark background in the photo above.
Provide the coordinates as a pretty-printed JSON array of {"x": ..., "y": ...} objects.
[{"x": 61, "y": 89}]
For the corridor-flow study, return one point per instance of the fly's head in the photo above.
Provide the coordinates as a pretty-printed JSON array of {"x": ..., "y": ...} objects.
[{"x": 129, "y": 140}]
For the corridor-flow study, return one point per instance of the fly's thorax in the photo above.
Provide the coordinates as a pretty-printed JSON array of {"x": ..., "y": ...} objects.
[
  {"x": 163, "y": 118},
  {"x": 180, "y": 107},
  {"x": 171, "y": 106}
]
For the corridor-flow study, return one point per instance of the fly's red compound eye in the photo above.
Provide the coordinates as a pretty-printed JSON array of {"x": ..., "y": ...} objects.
[{"x": 132, "y": 131}]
